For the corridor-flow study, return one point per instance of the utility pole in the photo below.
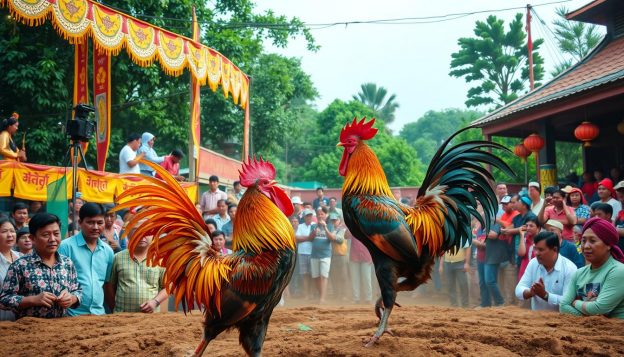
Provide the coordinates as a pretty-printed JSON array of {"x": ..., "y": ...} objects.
[{"x": 530, "y": 47}]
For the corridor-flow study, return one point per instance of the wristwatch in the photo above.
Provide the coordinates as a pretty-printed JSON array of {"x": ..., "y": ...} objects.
[{"x": 546, "y": 296}]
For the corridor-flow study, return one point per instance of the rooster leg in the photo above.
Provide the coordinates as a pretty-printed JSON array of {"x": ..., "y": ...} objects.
[
  {"x": 201, "y": 348},
  {"x": 382, "y": 328}
]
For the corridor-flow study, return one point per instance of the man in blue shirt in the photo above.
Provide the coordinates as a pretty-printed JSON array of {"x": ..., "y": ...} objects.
[{"x": 92, "y": 258}]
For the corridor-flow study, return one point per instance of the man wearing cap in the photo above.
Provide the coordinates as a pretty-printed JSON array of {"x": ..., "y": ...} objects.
[
  {"x": 209, "y": 199},
  {"x": 547, "y": 276},
  {"x": 298, "y": 205},
  {"x": 606, "y": 191},
  {"x": 555, "y": 208},
  {"x": 535, "y": 191},
  {"x": 501, "y": 191},
  {"x": 566, "y": 248},
  {"x": 304, "y": 250},
  {"x": 128, "y": 158}
]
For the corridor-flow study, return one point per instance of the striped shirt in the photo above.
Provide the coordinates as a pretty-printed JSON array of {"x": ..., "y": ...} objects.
[{"x": 135, "y": 282}]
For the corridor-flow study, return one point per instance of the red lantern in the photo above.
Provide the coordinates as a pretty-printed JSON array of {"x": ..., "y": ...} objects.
[
  {"x": 534, "y": 142},
  {"x": 586, "y": 132},
  {"x": 521, "y": 151}
]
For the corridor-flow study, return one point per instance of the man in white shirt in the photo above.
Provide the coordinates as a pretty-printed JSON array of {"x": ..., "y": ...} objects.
[
  {"x": 304, "y": 251},
  {"x": 128, "y": 158},
  {"x": 547, "y": 276}
]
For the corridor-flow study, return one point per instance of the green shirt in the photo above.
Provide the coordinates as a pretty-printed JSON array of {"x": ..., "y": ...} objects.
[
  {"x": 599, "y": 289},
  {"x": 135, "y": 282}
]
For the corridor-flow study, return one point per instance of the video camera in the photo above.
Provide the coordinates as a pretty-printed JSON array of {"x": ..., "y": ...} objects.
[{"x": 81, "y": 128}]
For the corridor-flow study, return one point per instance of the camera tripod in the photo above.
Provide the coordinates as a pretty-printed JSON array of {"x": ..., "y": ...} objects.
[{"x": 75, "y": 154}]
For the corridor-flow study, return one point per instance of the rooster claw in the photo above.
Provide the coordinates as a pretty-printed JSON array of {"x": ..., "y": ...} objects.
[{"x": 373, "y": 340}]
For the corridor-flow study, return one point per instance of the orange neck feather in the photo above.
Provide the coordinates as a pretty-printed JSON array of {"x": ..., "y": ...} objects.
[
  {"x": 259, "y": 225},
  {"x": 365, "y": 174}
]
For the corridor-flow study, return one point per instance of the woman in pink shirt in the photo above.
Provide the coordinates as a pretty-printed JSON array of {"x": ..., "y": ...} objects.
[{"x": 525, "y": 248}]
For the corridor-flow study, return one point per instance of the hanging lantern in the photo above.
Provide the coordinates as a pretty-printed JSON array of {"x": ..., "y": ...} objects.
[
  {"x": 534, "y": 143},
  {"x": 586, "y": 132},
  {"x": 521, "y": 151},
  {"x": 620, "y": 127}
]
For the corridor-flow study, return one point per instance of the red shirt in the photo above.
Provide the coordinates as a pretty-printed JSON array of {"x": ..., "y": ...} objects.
[
  {"x": 507, "y": 219},
  {"x": 172, "y": 167}
]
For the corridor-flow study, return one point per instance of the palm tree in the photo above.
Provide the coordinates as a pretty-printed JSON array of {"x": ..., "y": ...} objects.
[{"x": 375, "y": 98}]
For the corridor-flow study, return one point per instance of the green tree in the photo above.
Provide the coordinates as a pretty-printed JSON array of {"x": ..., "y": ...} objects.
[
  {"x": 429, "y": 131},
  {"x": 375, "y": 98},
  {"x": 38, "y": 74},
  {"x": 497, "y": 61},
  {"x": 574, "y": 39}
]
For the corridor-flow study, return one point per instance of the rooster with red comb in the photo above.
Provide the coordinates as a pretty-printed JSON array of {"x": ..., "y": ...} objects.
[
  {"x": 239, "y": 290},
  {"x": 404, "y": 240}
]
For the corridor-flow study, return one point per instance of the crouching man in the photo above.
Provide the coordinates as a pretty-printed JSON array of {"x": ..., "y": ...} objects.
[
  {"x": 44, "y": 283},
  {"x": 547, "y": 275}
]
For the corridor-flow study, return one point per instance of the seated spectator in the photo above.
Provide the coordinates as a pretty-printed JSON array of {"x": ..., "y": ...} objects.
[
  {"x": 596, "y": 289},
  {"x": 567, "y": 249},
  {"x": 547, "y": 275},
  {"x": 28, "y": 289},
  {"x": 218, "y": 243},
  {"x": 92, "y": 258},
  {"x": 134, "y": 286},
  {"x": 8, "y": 256},
  {"x": 24, "y": 242},
  {"x": 20, "y": 215},
  {"x": 525, "y": 248}
]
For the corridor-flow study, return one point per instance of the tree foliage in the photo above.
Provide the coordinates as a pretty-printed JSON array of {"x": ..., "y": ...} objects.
[
  {"x": 497, "y": 61},
  {"x": 574, "y": 39},
  {"x": 37, "y": 80},
  {"x": 375, "y": 98}
]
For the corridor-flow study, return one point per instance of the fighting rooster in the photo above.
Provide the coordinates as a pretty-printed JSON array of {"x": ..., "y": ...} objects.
[
  {"x": 404, "y": 240},
  {"x": 238, "y": 290}
]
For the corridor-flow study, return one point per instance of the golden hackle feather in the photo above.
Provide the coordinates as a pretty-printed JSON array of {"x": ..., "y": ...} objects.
[
  {"x": 369, "y": 178},
  {"x": 271, "y": 232},
  {"x": 181, "y": 242}
]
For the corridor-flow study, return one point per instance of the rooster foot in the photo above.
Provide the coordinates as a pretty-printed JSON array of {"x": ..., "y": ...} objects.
[
  {"x": 379, "y": 308},
  {"x": 373, "y": 340}
]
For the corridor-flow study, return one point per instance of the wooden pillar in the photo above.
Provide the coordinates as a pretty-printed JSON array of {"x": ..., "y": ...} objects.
[{"x": 547, "y": 156}]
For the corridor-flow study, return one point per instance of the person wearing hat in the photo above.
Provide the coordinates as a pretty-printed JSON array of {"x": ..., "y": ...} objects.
[
  {"x": 566, "y": 249},
  {"x": 619, "y": 219},
  {"x": 555, "y": 207},
  {"x": 304, "y": 250},
  {"x": 147, "y": 148},
  {"x": 23, "y": 241},
  {"x": 606, "y": 191},
  {"x": 596, "y": 289},
  {"x": 535, "y": 194},
  {"x": 576, "y": 200},
  {"x": 298, "y": 205},
  {"x": 547, "y": 275},
  {"x": 128, "y": 157}
]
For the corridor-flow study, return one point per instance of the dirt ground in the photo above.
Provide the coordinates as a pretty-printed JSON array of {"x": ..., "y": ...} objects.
[{"x": 306, "y": 330}]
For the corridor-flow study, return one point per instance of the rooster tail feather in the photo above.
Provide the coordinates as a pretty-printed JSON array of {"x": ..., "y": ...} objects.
[{"x": 459, "y": 178}]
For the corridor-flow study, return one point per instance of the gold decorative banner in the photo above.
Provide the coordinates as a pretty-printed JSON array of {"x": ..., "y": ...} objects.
[
  {"x": 31, "y": 181},
  {"x": 99, "y": 187},
  {"x": 111, "y": 30},
  {"x": 235, "y": 84}
]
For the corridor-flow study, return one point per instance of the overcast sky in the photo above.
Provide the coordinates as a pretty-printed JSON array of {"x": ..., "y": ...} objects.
[{"x": 409, "y": 60}]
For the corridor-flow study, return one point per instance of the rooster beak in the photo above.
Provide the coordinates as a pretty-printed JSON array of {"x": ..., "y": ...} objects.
[{"x": 339, "y": 144}]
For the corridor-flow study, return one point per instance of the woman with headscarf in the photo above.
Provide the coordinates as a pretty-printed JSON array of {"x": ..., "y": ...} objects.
[
  {"x": 576, "y": 200},
  {"x": 8, "y": 149},
  {"x": 147, "y": 147},
  {"x": 596, "y": 289}
]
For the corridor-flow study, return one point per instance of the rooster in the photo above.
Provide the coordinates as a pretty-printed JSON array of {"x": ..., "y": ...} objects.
[
  {"x": 238, "y": 290},
  {"x": 403, "y": 240}
]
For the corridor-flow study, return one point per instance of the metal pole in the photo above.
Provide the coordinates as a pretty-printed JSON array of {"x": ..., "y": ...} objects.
[
  {"x": 530, "y": 47},
  {"x": 76, "y": 147}
]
